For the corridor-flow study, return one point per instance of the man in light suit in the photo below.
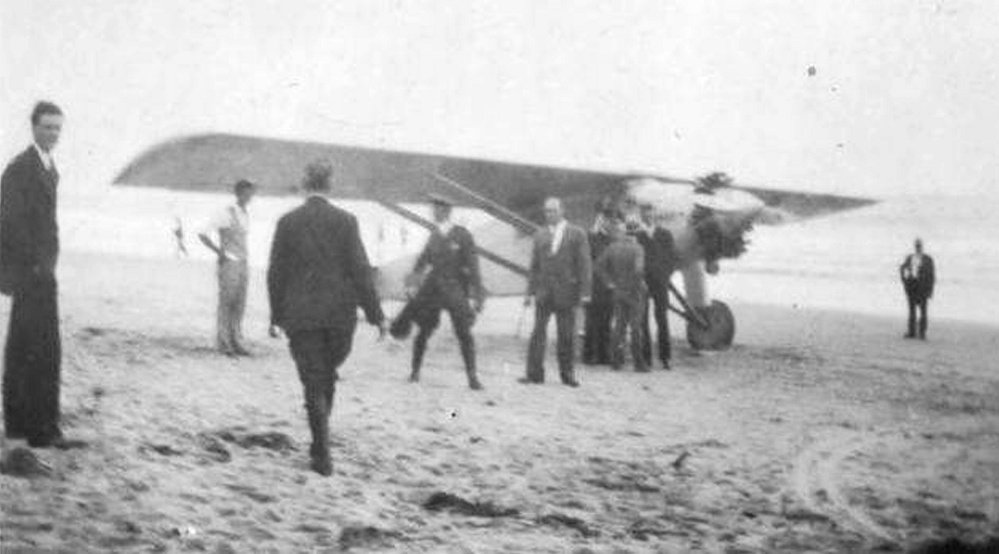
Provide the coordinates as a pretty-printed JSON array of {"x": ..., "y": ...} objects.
[
  {"x": 560, "y": 280},
  {"x": 918, "y": 276},
  {"x": 29, "y": 249},
  {"x": 318, "y": 276}
]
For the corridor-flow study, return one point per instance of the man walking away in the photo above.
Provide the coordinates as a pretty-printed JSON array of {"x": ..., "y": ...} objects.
[
  {"x": 318, "y": 276},
  {"x": 232, "y": 226}
]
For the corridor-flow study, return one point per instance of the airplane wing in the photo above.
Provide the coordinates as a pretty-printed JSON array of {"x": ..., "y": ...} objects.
[{"x": 212, "y": 162}]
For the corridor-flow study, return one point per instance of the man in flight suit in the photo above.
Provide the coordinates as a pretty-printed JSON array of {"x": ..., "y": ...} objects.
[{"x": 452, "y": 283}]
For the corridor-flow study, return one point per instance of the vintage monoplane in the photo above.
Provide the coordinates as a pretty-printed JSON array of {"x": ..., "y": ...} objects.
[{"x": 709, "y": 216}]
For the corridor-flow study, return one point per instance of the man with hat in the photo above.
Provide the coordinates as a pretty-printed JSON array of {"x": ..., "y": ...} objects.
[{"x": 451, "y": 282}]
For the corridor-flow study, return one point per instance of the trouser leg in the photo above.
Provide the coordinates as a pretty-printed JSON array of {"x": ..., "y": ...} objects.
[
  {"x": 227, "y": 297},
  {"x": 646, "y": 334},
  {"x": 638, "y": 344},
  {"x": 539, "y": 340},
  {"x": 618, "y": 335},
  {"x": 318, "y": 354},
  {"x": 33, "y": 359},
  {"x": 239, "y": 304},
  {"x": 660, "y": 307},
  {"x": 565, "y": 325},
  {"x": 912, "y": 316},
  {"x": 462, "y": 319},
  {"x": 923, "y": 317}
]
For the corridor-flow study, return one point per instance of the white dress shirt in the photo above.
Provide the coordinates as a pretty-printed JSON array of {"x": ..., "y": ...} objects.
[
  {"x": 45, "y": 156},
  {"x": 558, "y": 231}
]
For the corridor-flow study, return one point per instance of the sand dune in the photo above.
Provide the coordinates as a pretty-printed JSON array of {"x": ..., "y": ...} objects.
[{"x": 818, "y": 431}]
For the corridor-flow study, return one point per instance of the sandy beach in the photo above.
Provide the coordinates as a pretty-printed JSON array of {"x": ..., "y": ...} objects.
[{"x": 818, "y": 431}]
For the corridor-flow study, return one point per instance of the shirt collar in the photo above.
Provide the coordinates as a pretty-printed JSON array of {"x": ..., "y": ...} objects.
[
  {"x": 46, "y": 157},
  {"x": 445, "y": 226},
  {"x": 558, "y": 226}
]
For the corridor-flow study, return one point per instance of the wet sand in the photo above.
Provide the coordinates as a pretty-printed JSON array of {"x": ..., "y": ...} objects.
[{"x": 818, "y": 431}]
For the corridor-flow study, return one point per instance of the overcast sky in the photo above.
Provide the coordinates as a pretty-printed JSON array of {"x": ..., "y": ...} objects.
[{"x": 903, "y": 99}]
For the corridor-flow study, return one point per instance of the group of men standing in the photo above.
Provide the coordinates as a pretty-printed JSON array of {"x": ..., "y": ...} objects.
[{"x": 634, "y": 261}]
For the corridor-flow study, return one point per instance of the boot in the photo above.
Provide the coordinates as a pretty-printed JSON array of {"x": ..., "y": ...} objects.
[
  {"x": 468, "y": 356},
  {"x": 319, "y": 425}
]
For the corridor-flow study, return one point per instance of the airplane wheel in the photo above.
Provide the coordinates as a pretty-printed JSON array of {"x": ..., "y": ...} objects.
[{"x": 720, "y": 330}]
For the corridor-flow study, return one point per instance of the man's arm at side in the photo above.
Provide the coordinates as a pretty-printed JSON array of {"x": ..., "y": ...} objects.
[
  {"x": 277, "y": 272},
  {"x": 584, "y": 267},
  {"x": 359, "y": 271}
]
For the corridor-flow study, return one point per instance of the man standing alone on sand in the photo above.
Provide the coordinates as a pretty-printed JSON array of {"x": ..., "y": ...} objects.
[
  {"x": 29, "y": 249},
  {"x": 232, "y": 226},
  {"x": 560, "y": 280},
  {"x": 918, "y": 277},
  {"x": 318, "y": 275}
]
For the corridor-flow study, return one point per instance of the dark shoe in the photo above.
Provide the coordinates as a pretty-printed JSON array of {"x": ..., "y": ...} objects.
[
  {"x": 475, "y": 385},
  {"x": 529, "y": 381},
  {"x": 228, "y": 352},
  {"x": 642, "y": 369},
  {"x": 666, "y": 365},
  {"x": 240, "y": 351},
  {"x": 322, "y": 464},
  {"x": 909, "y": 336},
  {"x": 571, "y": 383},
  {"x": 414, "y": 377}
]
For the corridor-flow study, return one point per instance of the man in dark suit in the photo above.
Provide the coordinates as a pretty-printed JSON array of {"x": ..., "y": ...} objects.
[
  {"x": 560, "y": 280},
  {"x": 918, "y": 277},
  {"x": 29, "y": 249},
  {"x": 622, "y": 267},
  {"x": 318, "y": 276},
  {"x": 598, "y": 313},
  {"x": 453, "y": 283},
  {"x": 660, "y": 259}
]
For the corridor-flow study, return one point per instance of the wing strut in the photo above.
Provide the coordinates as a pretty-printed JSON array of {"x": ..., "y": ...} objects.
[
  {"x": 490, "y": 206},
  {"x": 428, "y": 225}
]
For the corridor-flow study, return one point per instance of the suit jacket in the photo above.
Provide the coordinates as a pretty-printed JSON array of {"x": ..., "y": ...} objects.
[
  {"x": 565, "y": 277},
  {"x": 29, "y": 233},
  {"x": 453, "y": 261},
  {"x": 660, "y": 257},
  {"x": 622, "y": 267},
  {"x": 319, "y": 272},
  {"x": 919, "y": 283}
]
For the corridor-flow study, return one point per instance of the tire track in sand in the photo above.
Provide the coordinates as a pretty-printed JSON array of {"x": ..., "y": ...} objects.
[{"x": 816, "y": 476}]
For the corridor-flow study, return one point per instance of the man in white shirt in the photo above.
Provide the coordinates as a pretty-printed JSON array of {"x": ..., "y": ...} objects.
[
  {"x": 560, "y": 280},
  {"x": 231, "y": 224}
]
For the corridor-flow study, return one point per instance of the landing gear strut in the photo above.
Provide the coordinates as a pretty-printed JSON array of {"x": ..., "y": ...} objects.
[{"x": 709, "y": 327}]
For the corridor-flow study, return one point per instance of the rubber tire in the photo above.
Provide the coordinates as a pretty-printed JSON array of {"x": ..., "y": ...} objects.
[{"x": 720, "y": 331}]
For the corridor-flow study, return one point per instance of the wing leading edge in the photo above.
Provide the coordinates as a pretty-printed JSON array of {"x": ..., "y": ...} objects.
[{"x": 212, "y": 162}]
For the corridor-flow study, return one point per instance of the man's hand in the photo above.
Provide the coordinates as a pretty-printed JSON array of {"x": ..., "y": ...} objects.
[
  {"x": 478, "y": 305},
  {"x": 528, "y": 300},
  {"x": 382, "y": 330},
  {"x": 585, "y": 300},
  {"x": 274, "y": 331}
]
